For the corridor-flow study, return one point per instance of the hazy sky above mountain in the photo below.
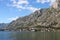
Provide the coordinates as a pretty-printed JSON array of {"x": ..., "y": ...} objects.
[{"x": 12, "y": 9}]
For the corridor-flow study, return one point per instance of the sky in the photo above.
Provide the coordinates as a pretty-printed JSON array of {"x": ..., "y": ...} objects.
[{"x": 12, "y": 9}]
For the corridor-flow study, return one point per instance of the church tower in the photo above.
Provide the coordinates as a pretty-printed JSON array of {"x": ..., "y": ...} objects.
[{"x": 56, "y": 4}]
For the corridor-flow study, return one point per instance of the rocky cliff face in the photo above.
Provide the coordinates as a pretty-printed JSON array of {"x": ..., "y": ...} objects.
[
  {"x": 56, "y": 4},
  {"x": 48, "y": 17}
]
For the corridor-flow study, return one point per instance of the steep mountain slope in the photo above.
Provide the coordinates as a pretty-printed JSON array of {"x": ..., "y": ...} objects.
[{"x": 48, "y": 17}]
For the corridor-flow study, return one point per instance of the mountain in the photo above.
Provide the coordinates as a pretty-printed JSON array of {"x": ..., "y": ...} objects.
[
  {"x": 45, "y": 17},
  {"x": 48, "y": 17},
  {"x": 3, "y": 25}
]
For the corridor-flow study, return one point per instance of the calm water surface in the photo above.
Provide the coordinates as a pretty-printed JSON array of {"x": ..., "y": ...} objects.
[{"x": 29, "y": 35}]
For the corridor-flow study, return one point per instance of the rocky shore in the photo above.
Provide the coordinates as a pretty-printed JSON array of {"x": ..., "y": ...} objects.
[{"x": 34, "y": 30}]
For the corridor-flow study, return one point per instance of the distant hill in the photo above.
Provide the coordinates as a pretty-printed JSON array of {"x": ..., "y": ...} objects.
[{"x": 3, "y": 25}]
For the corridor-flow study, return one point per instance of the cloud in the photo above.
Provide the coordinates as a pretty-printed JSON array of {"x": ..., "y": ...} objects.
[
  {"x": 25, "y": 4},
  {"x": 32, "y": 8},
  {"x": 22, "y": 2},
  {"x": 44, "y": 1},
  {"x": 51, "y": 2},
  {"x": 13, "y": 18},
  {"x": 19, "y": 4}
]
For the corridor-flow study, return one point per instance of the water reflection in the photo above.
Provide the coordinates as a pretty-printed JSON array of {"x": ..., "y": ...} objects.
[{"x": 29, "y": 35}]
